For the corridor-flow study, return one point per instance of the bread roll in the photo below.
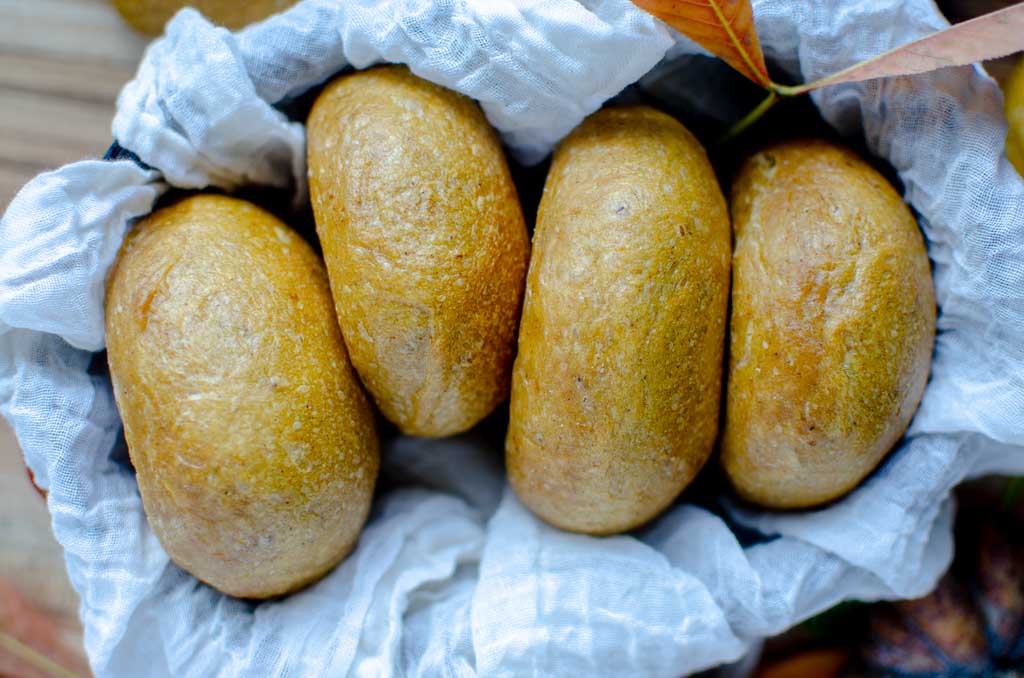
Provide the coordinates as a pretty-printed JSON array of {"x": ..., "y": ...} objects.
[
  {"x": 253, "y": 443},
  {"x": 425, "y": 244},
  {"x": 833, "y": 320},
  {"x": 149, "y": 16},
  {"x": 1014, "y": 103},
  {"x": 616, "y": 388}
]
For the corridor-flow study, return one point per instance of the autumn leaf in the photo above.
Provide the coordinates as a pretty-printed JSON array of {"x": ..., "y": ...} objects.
[
  {"x": 985, "y": 37},
  {"x": 723, "y": 27},
  {"x": 726, "y": 29}
]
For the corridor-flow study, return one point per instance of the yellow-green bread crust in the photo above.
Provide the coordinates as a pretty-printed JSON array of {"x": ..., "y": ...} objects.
[
  {"x": 616, "y": 387},
  {"x": 149, "y": 16},
  {"x": 1014, "y": 104},
  {"x": 833, "y": 321},
  {"x": 425, "y": 244},
  {"x": 254, "y": 446}
]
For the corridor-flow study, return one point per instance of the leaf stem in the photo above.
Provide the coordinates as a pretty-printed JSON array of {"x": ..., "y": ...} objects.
[
  {"x": 1014, "y": 490},
  {"x": 793, "y": 90},
  {"x": 750, "y": 118}
]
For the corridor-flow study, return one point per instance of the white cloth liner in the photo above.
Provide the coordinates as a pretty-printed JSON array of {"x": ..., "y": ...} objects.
[{"x": 454, "y": 576}]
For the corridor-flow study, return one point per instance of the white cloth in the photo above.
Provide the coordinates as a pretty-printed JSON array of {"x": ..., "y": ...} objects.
[{"x": 453, "y": 576}]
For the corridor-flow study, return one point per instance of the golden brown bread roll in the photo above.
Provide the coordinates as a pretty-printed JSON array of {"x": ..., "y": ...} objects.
[
  {"x": 833, "y": 320},
  {"x": 149, "y": 16},
  {"x": 253, "y": 443},
  {"x": 616, "y": 388},
  {"x": 424, "y": 242},
  {"x": 1014, "y": 106}
]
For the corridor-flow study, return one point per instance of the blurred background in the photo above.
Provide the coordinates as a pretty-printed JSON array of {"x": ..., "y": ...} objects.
[{"x": 62, "y": 64}]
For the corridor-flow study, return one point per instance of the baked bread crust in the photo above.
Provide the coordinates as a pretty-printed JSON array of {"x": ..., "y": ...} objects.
[
  {"x": 254, "y": 445},
  {"x": 616, "y": 388},
  {"x": 833, "y": 322},
  {"x": 425, "y": 243}
]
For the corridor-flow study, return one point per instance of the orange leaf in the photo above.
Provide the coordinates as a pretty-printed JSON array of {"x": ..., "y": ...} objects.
[
  {"x": 985, "y": 37},
  {"x": 723, "y": 27},
  {"x": 822, "y": 663}
]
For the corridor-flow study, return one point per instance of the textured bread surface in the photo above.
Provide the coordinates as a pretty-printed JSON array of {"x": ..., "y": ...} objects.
[
  {"x": 253, "y": 443},
  {"x": 833, "y": 320},
  {"x": 1014, "y": 103},
  {"x": 149, "y": 16},
  {"x": 616, "y": 387},
  {"x": 425, "y": 244}
]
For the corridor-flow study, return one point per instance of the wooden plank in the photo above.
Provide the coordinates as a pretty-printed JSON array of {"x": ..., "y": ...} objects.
[
  {"x": 77, "y": 80},
  {"x": 69, "y": 30},
  {"x": 38, "y": 607},
  {"x": 27, "y": 547},
  {"x": 48, "y": 130},
  {"x": 62, "y": 64}
]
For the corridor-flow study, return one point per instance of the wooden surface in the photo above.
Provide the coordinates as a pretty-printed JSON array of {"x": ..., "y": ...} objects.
[
  {"x": 62, "y": 63},
  {"x": 38, "y": 608}
]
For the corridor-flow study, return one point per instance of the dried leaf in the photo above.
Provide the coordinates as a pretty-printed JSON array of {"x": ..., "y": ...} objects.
[
  {"x": 723, "y": 27},
  {"x": 985, "y": 37}
]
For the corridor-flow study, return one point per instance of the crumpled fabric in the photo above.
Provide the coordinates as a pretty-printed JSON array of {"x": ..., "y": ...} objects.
[{"x": 453, "y": 576}]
